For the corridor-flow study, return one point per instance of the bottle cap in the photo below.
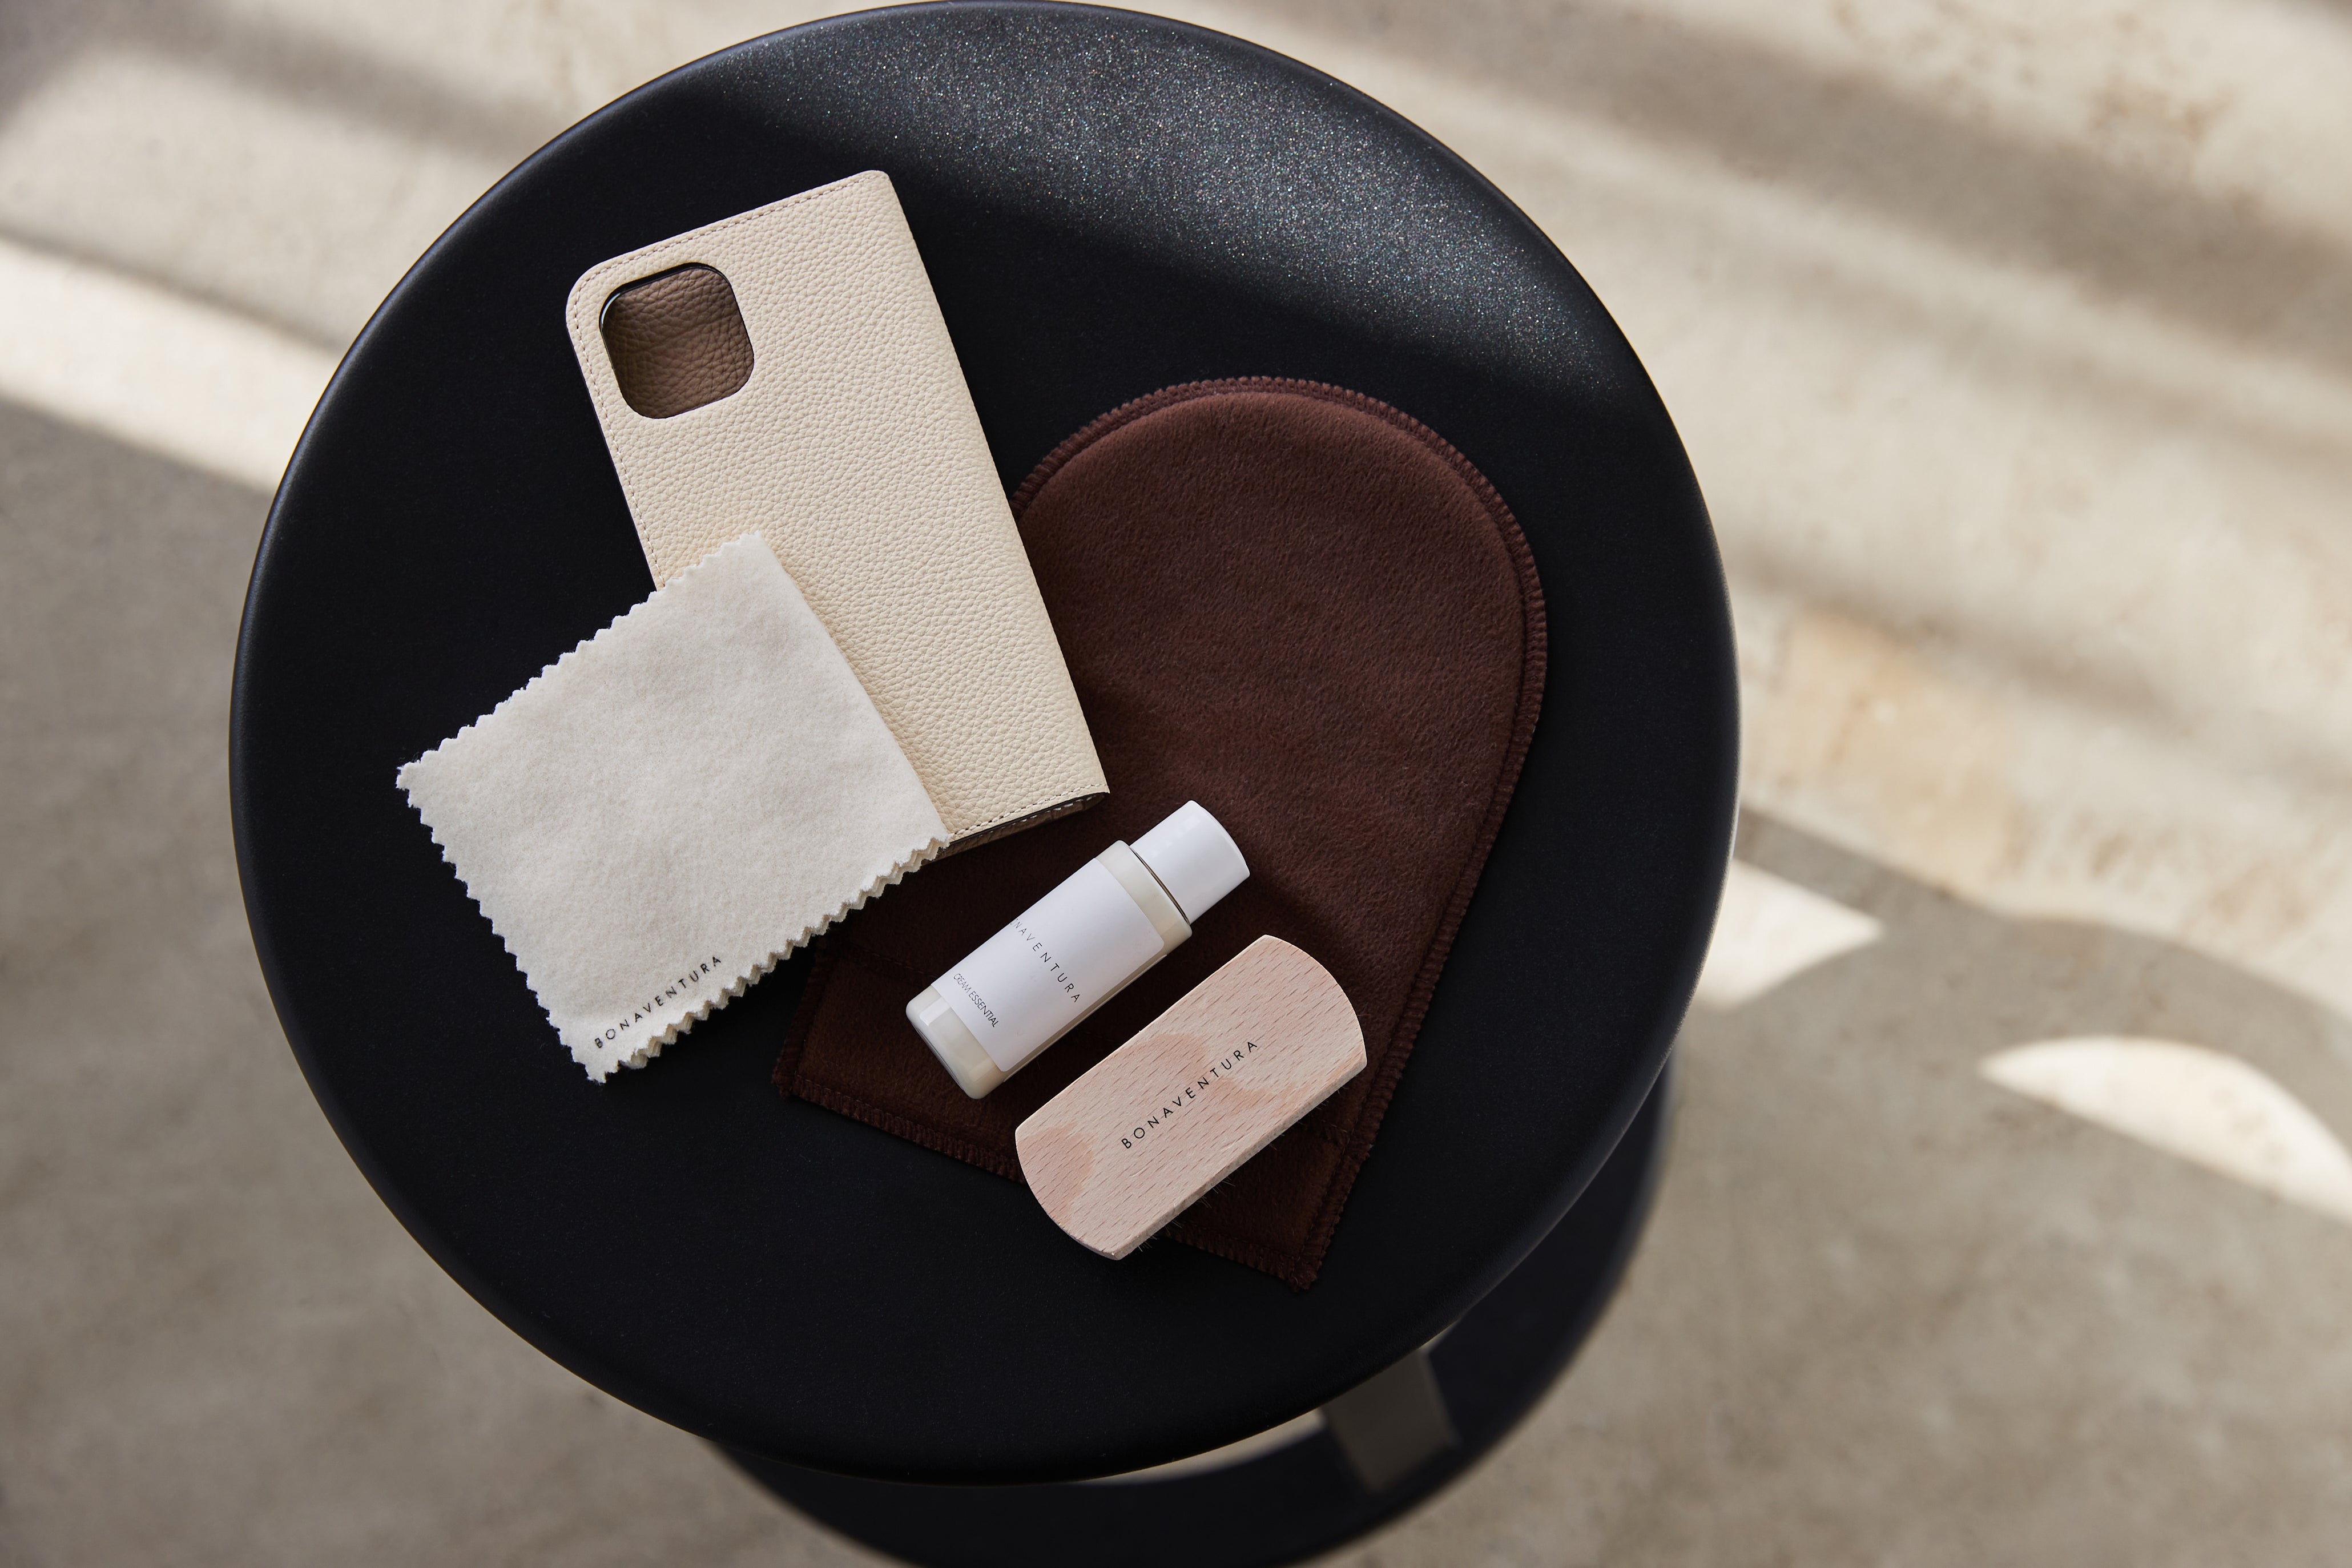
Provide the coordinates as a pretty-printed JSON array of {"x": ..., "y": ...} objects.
[{"x": 1195, "y": 859}]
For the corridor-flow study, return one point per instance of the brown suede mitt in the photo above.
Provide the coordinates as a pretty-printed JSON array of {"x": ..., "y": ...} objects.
[{"x": 1306, "y": 611}]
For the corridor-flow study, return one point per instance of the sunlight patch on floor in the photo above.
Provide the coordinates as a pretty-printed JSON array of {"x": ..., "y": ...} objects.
[
  {"x": 2196, "y": 1104},
  {"x": 1768, "y": 931},
  {"x": 155, "y": 368}
]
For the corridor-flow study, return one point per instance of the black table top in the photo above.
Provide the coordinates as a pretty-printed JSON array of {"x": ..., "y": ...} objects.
[{"x": 1108, "y": 203}]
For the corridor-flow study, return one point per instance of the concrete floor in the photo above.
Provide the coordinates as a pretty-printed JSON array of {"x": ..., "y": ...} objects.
[{"x": 2013, "y": 344}]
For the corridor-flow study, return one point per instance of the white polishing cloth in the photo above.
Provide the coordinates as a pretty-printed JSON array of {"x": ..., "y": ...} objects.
[{"x": 673, "y": 806}]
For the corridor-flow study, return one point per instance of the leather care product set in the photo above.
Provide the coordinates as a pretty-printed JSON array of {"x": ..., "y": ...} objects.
[
  {"x": 1182, "y": 1105},
  {"x": 1304, "y": 610},
  {"x": 849, "y": 668}
]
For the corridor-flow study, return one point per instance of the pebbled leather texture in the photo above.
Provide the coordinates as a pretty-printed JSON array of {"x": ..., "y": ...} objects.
[
  {"x": 676, "y": 340},
  {"x": 854, "y": 448}
]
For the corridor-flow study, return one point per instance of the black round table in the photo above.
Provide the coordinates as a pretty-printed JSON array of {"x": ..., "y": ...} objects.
[
  {"x": 1304, "y": 1496},
  {"x": 1108, "y": 203}
]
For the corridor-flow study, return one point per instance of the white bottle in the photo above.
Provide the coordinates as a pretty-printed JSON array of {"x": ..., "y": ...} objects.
[{"x": 1076, "y": 949}]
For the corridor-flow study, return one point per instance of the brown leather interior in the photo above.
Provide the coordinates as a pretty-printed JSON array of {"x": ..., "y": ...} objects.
[
  {"x": 1304, "y": 610},
  {"x": 677, "y": 340}
]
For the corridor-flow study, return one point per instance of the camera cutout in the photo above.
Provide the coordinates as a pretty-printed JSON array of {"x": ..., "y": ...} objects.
[{"x": 677, "y": 340}]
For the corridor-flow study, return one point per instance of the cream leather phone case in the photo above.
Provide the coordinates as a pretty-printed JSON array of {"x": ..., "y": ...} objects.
[{"x": 849, "y": 440}]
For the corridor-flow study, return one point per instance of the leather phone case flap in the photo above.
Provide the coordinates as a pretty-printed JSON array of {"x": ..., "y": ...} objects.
[{"x": 853, "y": 447}]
